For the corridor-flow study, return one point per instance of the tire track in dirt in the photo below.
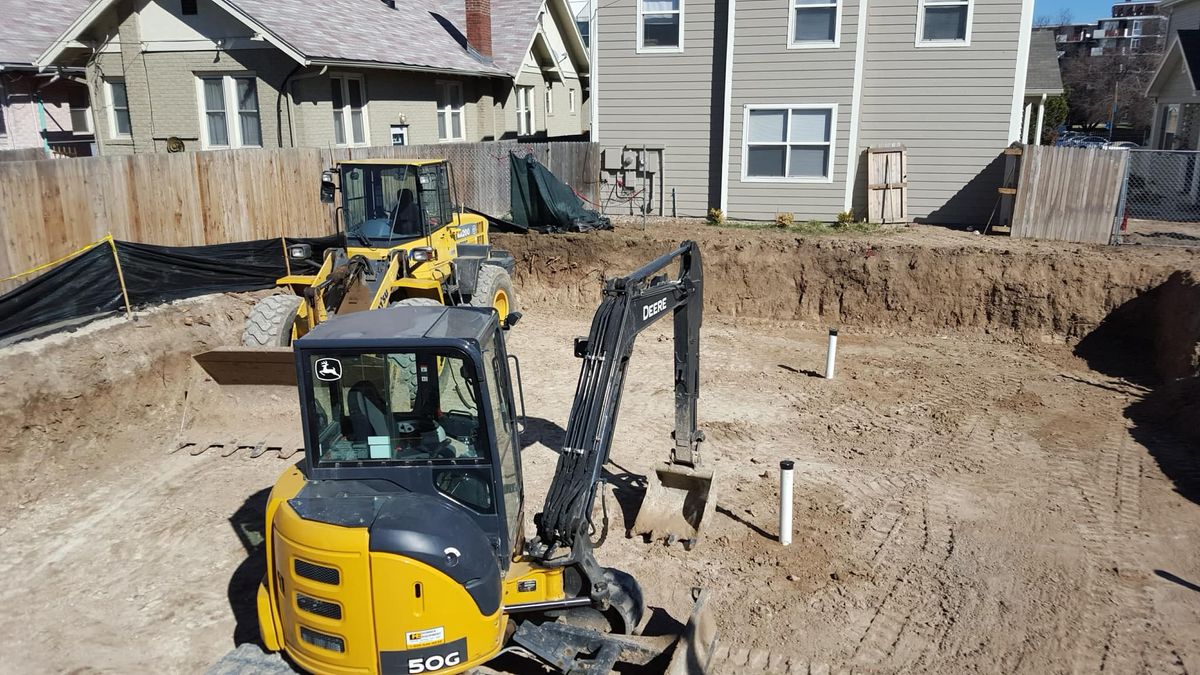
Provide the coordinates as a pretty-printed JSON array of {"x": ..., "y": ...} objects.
[{"x": 1120, "y": 631}]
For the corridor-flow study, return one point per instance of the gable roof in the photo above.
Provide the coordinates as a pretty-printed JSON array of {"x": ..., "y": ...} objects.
[
  {"x": 30, "y": 26},
  {"x": 1184, "y": 52},
  {"x": 417, "y": 34},
  {"x": 1042, "y": 75}
]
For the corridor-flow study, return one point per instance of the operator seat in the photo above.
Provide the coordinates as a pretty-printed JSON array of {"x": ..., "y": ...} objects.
[
  {"x": 368, "y": 412},
  {"x": 406, "y": 221}
]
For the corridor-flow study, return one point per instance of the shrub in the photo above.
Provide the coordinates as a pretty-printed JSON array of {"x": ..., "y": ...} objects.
[
  {"x": 785, "y": 219},
  {"x": 716, "y": 217},
  {"x": 845, "y": 219}
]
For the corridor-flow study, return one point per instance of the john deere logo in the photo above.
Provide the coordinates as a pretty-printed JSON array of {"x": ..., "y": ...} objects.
[{"x": 329, "y": 370}]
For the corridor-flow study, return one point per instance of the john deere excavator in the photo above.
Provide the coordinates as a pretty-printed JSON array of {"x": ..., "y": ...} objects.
[
  {"x": 406, "y": 242},
  {"x": 397, "y": 544}
]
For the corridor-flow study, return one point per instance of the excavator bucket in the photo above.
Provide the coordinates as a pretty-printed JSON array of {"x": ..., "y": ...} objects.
[
  {"x": 678, "y": 500},
  {"x": 241, "y": 400}
]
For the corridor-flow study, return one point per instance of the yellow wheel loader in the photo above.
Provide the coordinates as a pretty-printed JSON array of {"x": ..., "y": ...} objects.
[
  {"x": 397, "y": 544},
  {"x": 405, "y": 239}
]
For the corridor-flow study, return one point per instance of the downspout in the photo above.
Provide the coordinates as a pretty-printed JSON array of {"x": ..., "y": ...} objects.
[
  {"x": 290, "y": 87},
  {"x": 860, "y": 54},
  {"x": 726, "y": 115},
  {"x": 279, "y": 109},
  {"x": 594, "y": 71}
]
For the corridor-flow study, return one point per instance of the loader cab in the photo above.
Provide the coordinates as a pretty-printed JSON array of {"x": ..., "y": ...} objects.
[
  {"x": 390, "y": 202},
  {"x": 414, "y": 400}
]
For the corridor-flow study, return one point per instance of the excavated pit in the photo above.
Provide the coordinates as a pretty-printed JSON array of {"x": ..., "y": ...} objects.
[{"x": 995, "y": 481}]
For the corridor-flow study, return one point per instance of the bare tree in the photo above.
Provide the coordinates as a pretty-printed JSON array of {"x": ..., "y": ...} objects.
[
  {"x": 1095, "y": 84},
  {"x": 1063, "y": 18}
]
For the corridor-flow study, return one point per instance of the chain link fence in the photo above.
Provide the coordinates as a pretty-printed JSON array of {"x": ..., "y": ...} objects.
[{"x": 1161, "y": 201}]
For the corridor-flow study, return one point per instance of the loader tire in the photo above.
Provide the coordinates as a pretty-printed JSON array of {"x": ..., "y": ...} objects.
[
  {"x": 270, "y": 322},
  {"x": 494, "y": 288}
]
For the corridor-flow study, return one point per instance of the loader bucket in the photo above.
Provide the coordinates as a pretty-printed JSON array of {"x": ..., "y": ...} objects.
[
  {"x": 678, "y": 500},
  {"x": 241, "y": 400}
]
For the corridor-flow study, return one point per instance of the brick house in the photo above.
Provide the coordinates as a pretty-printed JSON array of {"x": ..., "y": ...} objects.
[
  {"x": 41, "y": 108},
  {"x": 171, "y": 75}
]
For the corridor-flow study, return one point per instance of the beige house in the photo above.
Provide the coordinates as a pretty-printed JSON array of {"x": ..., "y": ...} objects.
[{"x": 173, "y": 75}]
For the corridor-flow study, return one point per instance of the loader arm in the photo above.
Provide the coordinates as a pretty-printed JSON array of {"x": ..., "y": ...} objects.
[{"x": 630, "y": 304}]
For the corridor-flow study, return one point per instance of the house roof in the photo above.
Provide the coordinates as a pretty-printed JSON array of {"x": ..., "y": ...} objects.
[
  {"x": 1042, "y": 75},
  {"x": 1183, "y": 53},
  {"x": 417, "y": 34},
  {"x": 30, "y": 26}
]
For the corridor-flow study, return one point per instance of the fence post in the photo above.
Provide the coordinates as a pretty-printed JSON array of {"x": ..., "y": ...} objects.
[
  {"x": 120, "y": 276},
  {"x": 1119, "y": 217}
]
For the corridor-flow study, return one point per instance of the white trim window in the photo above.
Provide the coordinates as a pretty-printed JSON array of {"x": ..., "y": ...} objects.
[
  {"x": 790, "y": 143},
  {"x": 659, "y": 26},
  {"x": 571, "y": 101},
  {"x": 524, "y": 111},
  {"x": 120, "y": 124},
  {"x": 349, "y": 97},
  {"x": 944, "y": 23},
  {"x": 80, "y": 109},
  {"x": 450, "y": 121},
  {"x": 549, "y": 101},
  {"x": 230, "y": 117},
  {"x": 814, "y": 24}
]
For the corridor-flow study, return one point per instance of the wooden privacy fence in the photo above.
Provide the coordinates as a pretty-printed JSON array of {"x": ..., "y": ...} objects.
[
  {"x": 49, "y": 208},
  {"x": 22, "y": 155},
  {"x": 1069, "y": 194}
]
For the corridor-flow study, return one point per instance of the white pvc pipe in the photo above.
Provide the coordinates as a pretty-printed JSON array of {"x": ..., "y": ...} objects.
[
  {"x": 785, "y": 501},
  {"x": 831, "y": 356}
]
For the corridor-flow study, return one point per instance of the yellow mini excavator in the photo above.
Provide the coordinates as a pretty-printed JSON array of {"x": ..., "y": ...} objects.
[
  {"x": 397, "y": 544},
  {"x": 405, "y": 240}
]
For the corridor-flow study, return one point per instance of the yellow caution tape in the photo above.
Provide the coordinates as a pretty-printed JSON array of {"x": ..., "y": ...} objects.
[{"x": 61, "y": 260}]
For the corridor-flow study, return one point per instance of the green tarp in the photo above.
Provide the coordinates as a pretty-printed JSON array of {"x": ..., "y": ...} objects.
[{"x": 540, "y": 201}]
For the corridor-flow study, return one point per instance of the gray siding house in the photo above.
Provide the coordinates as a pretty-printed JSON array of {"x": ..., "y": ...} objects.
[
  {"x": 759, "y": 107},
  {"x": 1175, "y": 86},
  {"x": 172, "y": 75}
]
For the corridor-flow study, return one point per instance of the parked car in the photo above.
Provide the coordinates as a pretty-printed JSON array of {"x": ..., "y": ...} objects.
[
  {"x": 1092, "y": 142},
  {"x": 1123, "y": 145}
]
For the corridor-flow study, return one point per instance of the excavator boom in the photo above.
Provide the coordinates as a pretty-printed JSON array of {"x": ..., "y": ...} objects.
[{"x": 680, "y": 495}]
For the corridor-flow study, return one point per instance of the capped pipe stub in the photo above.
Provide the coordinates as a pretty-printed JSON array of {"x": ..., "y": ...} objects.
[
  {"x": 787, "y": 464},
  {"x": 833, "y": 332}
]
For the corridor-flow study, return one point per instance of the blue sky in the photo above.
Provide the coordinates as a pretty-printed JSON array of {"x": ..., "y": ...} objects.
[{"x": 1082, "y": 11}]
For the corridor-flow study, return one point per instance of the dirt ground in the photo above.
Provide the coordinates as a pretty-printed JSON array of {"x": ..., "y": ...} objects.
[{"x": 973, "y": 498}]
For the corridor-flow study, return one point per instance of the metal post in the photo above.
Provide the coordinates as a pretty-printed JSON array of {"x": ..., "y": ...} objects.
[
  {"x": 785, "y": 501},
  {"x": 831, "y": 355}
]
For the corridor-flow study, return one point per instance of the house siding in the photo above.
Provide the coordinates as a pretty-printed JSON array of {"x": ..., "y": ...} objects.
[
  {"x": 1184, "y": 16},
  {"x": 1178, "y": 87},
  {"x": 660, "y": 100},
  {"x": 765, "y": 72},
  {"x": 950, "y": 106}
]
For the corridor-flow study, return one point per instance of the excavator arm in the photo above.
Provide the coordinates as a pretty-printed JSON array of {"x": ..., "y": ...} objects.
[{"x": 630, "y": 304}]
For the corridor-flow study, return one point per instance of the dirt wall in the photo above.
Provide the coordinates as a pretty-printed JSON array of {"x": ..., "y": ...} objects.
[{"x": 1003, "y": 287}]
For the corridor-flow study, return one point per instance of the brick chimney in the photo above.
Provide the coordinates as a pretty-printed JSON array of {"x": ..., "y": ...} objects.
[{"x": 479, "y": 25}]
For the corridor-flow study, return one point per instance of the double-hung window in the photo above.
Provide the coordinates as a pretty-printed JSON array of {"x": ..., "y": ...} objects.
[
  {"x": 524, "y": 111},
  {"x": 231, "y": 116},
  {"x": 549, "y": 101},
  {"x": 789, "y": 143},
  {"x": 571, "y": 100},
  {"x": 660, "y": 25},
  {"x": 81, "y": 110},
  {"x": 944, "y": 23},
  {"x": 119, "y": 122},
  {"x": 814, "y": 23},
  {"x": 349, "y": 110},
  {"x": 450, "y": 112}
]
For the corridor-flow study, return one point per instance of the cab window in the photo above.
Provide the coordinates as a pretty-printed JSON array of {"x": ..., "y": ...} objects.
[
  {"x": 507, "y": 452},
  {"x": 435, "y": 195}
]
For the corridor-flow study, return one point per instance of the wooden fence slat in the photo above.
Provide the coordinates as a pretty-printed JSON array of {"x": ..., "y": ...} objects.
[
  {"x": 1068, "y": 194},
  {"x": 51, "y": 207}
]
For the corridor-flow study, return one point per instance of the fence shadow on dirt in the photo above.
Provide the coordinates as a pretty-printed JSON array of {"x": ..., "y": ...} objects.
[{"x": 1152, "y": 341}]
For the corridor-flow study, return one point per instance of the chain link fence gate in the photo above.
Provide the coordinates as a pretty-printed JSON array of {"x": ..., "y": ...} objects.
[{"x": 1160, "y": 205}]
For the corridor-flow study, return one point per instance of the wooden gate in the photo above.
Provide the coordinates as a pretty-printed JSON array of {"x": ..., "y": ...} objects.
[
  {"x": 1069, "y": 194},
  {"x": 887, "y": 184}
]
